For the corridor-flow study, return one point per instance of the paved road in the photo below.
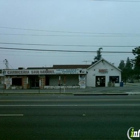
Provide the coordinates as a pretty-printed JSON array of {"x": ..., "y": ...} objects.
[{"x": 58, "y": 117}]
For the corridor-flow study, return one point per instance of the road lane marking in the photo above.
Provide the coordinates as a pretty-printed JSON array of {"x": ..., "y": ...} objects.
[
  {"x": 75, "y": 100},
  {"x": 82, "y": 105},
  {"x": 11, "y": 115}
]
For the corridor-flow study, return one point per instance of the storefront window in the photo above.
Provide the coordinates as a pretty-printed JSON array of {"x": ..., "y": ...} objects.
[
  {"x": 114, "y": 79},
  {"x": 17, "y": 81}
]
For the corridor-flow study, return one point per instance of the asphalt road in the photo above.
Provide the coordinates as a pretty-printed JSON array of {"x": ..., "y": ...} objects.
[{"x": 61, "y": 117}]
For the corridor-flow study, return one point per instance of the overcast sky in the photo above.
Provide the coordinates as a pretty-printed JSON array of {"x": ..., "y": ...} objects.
[{"x": 83, "y": 25}]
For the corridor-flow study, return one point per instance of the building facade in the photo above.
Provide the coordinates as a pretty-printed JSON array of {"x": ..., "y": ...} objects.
[
  {"x": 44, "y": 78},
  {"x": 103, "y": 74},
  {"x": 99, "y": 74}
]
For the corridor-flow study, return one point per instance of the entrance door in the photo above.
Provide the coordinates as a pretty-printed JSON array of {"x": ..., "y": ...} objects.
[
  {"x": 47, "y": 80},
  {"x": 100, "y": 81},
  {"x": 34, "y": 81}
]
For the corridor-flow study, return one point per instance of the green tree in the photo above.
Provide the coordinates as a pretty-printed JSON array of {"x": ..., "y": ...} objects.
[
  {"x": 99, "y": 56},
  {"x": 121, "y": 65},
  {"x": 127, "y": 72},
  {"x": 128, "y": 64},
  {"x": 136, "y": 62}
]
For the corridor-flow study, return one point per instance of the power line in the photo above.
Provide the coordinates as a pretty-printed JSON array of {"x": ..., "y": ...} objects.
[
  {"x": 54, "y": 54},
  {"x": 41, "y": 30},
  {"x": 49, "y": 56},
  {"x": 78, "y": 45},
  {"x": 84, "y": 35},
  {"x": 68, "y": 32},
  {"x": 62, "y": 51},
  {"x": 117, "y": 0}
]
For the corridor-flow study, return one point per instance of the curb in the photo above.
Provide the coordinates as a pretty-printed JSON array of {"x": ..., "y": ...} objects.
[
  {"x": 133, "y": 93},
  {"x": 100, "y": 94},
  {"x": 3, "y": 94}
]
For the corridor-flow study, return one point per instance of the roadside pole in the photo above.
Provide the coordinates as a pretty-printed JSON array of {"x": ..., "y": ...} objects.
[
  {"x": 39, "y": 84},
  {"x": 64, "y": 88},
  {"x": 64, "y": 84},
  {"x": 60, "y": 83},
  {"x": 3, "y": 83}
]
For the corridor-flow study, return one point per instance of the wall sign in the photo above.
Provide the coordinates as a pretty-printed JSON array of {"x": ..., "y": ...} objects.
[
  {"x": 103, "y": 70},
  {"x": 44, "y": 71},
  {"x": 27, "y": 72}
]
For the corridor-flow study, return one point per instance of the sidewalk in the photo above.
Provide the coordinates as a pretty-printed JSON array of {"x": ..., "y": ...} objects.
[
  {"x": 132, "y": 84},
  {"x": 129, "y": 88},
  {"x": 116, "y": 91}
]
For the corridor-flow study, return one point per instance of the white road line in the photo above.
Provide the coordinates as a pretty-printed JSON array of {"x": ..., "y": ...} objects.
[
  {"x": 90, "y": 105},
  {"x": 69, "y": 100},
  {"x": 11, "y": 115}
]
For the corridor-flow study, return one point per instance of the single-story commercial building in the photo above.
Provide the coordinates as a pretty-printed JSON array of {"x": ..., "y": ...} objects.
[
  {"x": 103, "y": 74},
  {"x": 99, "y": 74}
]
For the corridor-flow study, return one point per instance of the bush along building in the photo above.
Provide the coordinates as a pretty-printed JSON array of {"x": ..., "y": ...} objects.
[{"x": 98, "y": 74}]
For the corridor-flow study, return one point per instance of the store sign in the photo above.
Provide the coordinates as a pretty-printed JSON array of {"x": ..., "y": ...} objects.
[
  {"x": 65, "y": 71},
  {"x": 28, "y": 72},
  {"x": 70, "y": 71},
  {"x": 44, "y": 71},
  {"x": 103, "y": 70}
]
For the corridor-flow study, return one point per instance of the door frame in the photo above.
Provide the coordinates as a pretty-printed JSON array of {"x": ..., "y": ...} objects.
[{"x": 100, "y": 81}]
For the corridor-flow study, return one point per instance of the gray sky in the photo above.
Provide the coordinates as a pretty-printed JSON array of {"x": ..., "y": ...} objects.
[{"x": 67, "y": 22}]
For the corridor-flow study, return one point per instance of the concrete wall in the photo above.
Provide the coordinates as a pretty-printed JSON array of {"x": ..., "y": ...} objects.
[
  {"x": 24, "y": 82},
  {"x": 94, "y": 71}
]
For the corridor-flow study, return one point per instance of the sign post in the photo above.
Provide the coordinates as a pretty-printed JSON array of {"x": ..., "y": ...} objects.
[
  {"x": 60, "y": 83},
  {"x": 64, "y": 83},
  {"x": 39, "y": 83},
  {"x": 3, "y": 82}
]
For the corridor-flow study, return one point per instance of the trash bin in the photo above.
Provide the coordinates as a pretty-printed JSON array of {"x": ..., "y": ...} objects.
[{"x": 121, "y": 84}]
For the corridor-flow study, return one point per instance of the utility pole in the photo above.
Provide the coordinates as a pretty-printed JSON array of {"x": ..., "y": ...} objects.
[
  {"x": 60, "y": 83},
  {"x": 6, "y": 64},
  {"x": 6, "y": 67}
]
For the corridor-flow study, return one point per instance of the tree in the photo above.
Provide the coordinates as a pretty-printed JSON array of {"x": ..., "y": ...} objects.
[
  {"x": 128, "y": 64},
  {"x": 136, "y": 61},
  {"x": 127, "y": 72},
  {"x": 99, "y": 56},
  {"x": 121, "y": 65}
]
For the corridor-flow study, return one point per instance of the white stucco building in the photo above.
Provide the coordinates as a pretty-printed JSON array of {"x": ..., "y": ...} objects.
[{"x": 103, "y": 74}]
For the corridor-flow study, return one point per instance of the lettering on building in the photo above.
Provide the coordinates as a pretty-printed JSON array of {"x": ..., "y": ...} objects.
[{"x": 103, "y": 70}]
